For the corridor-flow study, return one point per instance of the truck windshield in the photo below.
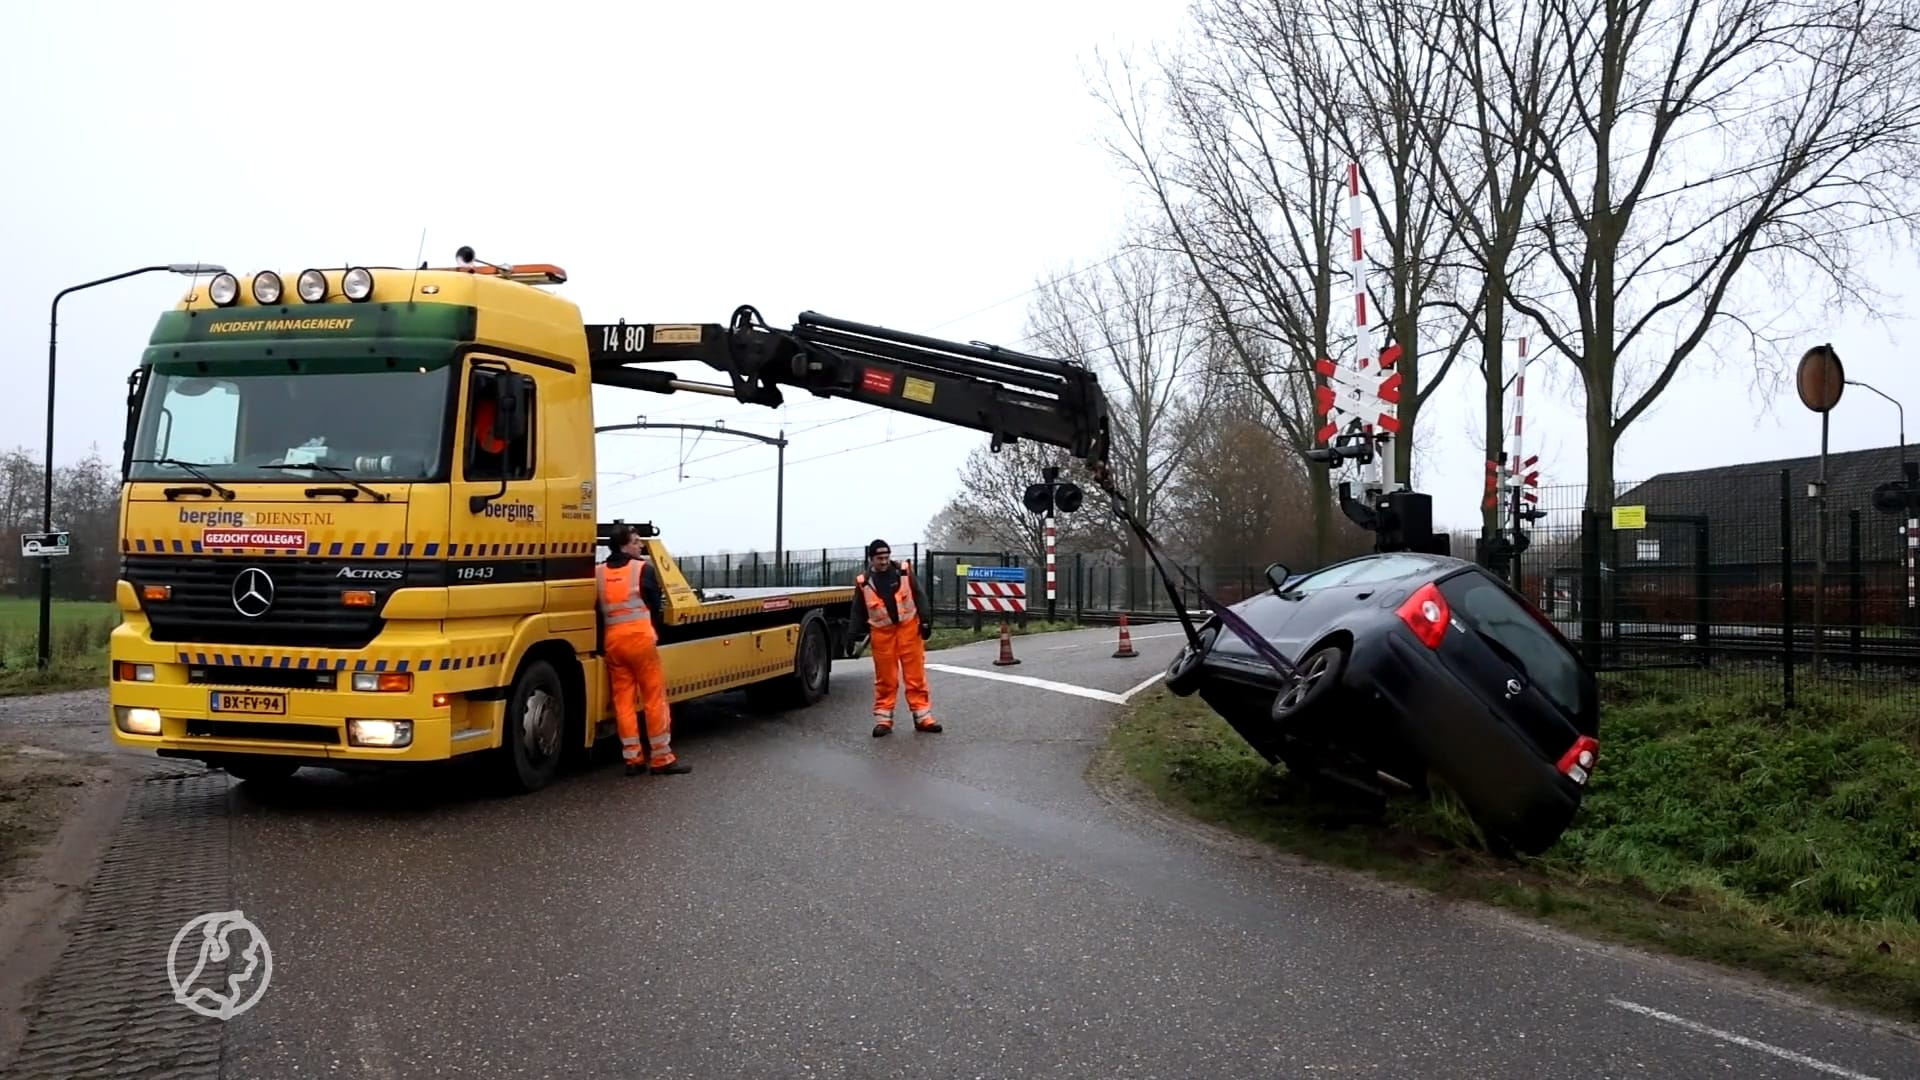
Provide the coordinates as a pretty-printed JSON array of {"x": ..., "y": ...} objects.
[{"x": 366, "y": 425}]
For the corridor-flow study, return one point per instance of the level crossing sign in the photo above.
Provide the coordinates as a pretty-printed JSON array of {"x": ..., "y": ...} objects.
[{"x": 997, "y": 588}]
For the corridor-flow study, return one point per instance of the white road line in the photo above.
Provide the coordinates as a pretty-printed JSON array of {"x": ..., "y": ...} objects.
[
  {"x": 1739, "y": 1040},
  {"x": 1142, "y": 685},
  {"x": 1038, "y": 684},
  {"x": 1136, "y": 637}
]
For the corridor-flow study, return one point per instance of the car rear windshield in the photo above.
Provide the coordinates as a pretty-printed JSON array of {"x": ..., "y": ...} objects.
[{"x": 1549, "y": 663}]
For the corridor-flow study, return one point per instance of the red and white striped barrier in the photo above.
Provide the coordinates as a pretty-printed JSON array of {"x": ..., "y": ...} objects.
[
  {"x": 996, "y": 596},
  {"x": 1368, "y": 392}
]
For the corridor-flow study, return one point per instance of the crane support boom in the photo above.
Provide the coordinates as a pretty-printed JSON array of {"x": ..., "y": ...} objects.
[{"x": 1007, "y": 394}]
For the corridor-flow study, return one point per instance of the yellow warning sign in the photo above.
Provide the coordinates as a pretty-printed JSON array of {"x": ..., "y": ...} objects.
[
  {"x": 919, "y": 390},
  {"x": 1629, "y": 517},
  {"x": 960, "y": 569}
]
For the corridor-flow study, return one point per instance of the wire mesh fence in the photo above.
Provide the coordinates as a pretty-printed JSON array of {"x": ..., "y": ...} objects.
[{"x": 1725, "y": 574}]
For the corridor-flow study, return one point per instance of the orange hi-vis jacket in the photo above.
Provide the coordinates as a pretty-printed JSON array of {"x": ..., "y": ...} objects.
[
  {"x": 620, "y": 598},
  {"x": 877, "y": 604}
]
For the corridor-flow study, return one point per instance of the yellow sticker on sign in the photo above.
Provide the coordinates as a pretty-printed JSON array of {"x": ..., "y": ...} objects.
[
  {"x": 1629, "y": 517},
  {"x": 919, "y": 390},
  {"x": 960, "y": 569}
]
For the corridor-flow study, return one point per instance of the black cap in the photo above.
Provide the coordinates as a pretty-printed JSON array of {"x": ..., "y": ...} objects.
[{"x": 876, "y": 546}]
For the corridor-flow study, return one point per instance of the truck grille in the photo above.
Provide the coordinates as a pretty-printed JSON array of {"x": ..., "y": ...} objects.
[{"x": 305, "y": 609}]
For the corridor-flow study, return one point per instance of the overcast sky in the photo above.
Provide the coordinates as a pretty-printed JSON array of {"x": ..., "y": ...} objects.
[{"x": 920, "y": 168}]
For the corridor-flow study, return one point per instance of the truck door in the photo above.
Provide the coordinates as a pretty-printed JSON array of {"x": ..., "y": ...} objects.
[{"x": 496, "y": 547}]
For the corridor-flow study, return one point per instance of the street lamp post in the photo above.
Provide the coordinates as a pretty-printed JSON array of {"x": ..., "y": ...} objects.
[
  {"x": 1902, "y": 496},
  {"x": 46, "y": 501}
]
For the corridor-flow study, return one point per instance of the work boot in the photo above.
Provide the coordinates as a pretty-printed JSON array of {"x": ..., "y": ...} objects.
[
  {"x": 675, "y": 767},
  {"x": 931, "y": 726},
  {"x": 635, "y": 768},
  {"x": 882, "y": 729}
]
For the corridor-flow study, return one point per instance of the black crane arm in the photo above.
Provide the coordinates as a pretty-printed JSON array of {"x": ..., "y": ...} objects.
[{"x": 1009, "y": 395}]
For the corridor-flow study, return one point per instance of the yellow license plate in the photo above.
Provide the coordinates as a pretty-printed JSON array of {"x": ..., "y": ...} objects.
[{"x": 258, "y": 704}]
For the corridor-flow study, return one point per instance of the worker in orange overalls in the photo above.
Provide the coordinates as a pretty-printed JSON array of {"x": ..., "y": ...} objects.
[
  {"x": 628, "y": 595},
  {"x": 888, "y": 599}
]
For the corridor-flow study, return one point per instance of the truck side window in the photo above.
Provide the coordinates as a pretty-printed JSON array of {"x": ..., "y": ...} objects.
[{"x": 489, "y": 458}]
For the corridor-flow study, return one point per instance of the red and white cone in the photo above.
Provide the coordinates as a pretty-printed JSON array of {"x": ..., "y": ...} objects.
[
  {"x": 1006, "y": 648},
  {"x": 1125, "y": 651}
]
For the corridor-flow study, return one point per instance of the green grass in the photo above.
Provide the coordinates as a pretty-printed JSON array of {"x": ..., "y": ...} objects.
[
  {"x": 1719, "y": 827},
  {"x": 80, "y": 630}
]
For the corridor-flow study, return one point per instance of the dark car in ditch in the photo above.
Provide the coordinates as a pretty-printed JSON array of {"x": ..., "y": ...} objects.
[{"x": 1409, "y": 666}]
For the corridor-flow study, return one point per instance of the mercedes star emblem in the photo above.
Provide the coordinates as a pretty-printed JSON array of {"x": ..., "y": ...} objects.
[{"x": 252, "y": 592}]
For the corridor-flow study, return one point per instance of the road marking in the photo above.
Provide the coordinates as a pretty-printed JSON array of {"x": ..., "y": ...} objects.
[
  {"x": 1739, "y": 1040},
  {"x": 1142, "y": 685},
  {"x": 1137, "y": 637},
  {"x": 1038, "y": 684}
]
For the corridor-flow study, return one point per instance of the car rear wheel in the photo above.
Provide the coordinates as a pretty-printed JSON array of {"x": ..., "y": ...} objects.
[{"x": 1317, "y": 680}]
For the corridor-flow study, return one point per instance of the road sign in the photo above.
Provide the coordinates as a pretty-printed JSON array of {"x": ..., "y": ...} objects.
[
  {"x": 997, "y": 588},
  {"x": 35, "y": 545}
]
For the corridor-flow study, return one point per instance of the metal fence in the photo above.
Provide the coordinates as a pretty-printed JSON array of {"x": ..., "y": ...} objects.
[
  {"x": 1088, "y": 588},
  {"x": 1723, "y": 575}
]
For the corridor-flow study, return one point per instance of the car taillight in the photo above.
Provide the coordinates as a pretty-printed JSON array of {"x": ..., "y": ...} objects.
[
  {"x": 1426, "y": 614},
  {"x": 1577, "y": 763}
]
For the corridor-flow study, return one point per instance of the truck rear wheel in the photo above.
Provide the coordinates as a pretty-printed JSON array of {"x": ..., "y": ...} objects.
[
  {"x": 533, "y": 740},
  {"x": 812, "y": 671}
]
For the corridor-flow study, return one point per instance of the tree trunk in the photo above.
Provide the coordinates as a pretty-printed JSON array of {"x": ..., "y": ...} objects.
[
  {"x": 1323, "y": 510},
  {"x": 1493, "y": 359},
  {"x": 1407, "y": 336},
  {"x": 1599, "y": 387}
]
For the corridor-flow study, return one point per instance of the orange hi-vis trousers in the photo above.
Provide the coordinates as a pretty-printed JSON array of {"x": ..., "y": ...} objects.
[
  {"x": 897, "y": 650},
  {"x": 633, "y": 657}
]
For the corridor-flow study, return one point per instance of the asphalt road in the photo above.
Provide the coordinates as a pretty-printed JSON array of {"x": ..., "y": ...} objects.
[{"x": 814, "y": 902}]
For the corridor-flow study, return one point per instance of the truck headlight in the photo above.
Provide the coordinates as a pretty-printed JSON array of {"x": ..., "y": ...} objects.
[
  {"x": 137, "y": 721},
  {"x": 392, "y": 733},
  {"x": 313, "y": 286},
  {"x": 267, "y": 287},
  {"x": 357, "y": 283}
]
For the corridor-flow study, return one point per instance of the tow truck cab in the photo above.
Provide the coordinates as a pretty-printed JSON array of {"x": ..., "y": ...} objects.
[{"x": 359, "y": 520}]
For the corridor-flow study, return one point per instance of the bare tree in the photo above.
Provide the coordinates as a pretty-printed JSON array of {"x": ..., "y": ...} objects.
[
  {"x": 1134, "y": 319},
  {"x": 989, "y": 505},
  {"x": 1238, "y": 497},
  {"x": 1378, "y": 87},
  {"x": 1513, "y": 79},
  {"x": 1235, "y": 158},
  {"x": 1813, "y": 107}
]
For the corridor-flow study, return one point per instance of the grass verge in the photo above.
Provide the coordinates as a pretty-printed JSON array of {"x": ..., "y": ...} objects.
[
  {"x": 947, "y": 637},
  {"x": 1720, "y": 827},
  {"x": 79, "y": 646}
]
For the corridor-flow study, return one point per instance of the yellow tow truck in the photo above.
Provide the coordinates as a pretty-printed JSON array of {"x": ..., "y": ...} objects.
[{"x": 358, "y": 515}]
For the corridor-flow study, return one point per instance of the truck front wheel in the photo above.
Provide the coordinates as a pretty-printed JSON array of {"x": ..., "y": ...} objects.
[{"x": 534, "y": 740}]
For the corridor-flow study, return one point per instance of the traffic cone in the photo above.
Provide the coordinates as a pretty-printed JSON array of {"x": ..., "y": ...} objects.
[
  {"x": 1006, "y": 648},
  {"x": 1125, "y": 651}
]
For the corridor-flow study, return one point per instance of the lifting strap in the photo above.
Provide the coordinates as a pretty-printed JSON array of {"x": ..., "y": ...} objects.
[{"x": 1240, "y": 627}]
